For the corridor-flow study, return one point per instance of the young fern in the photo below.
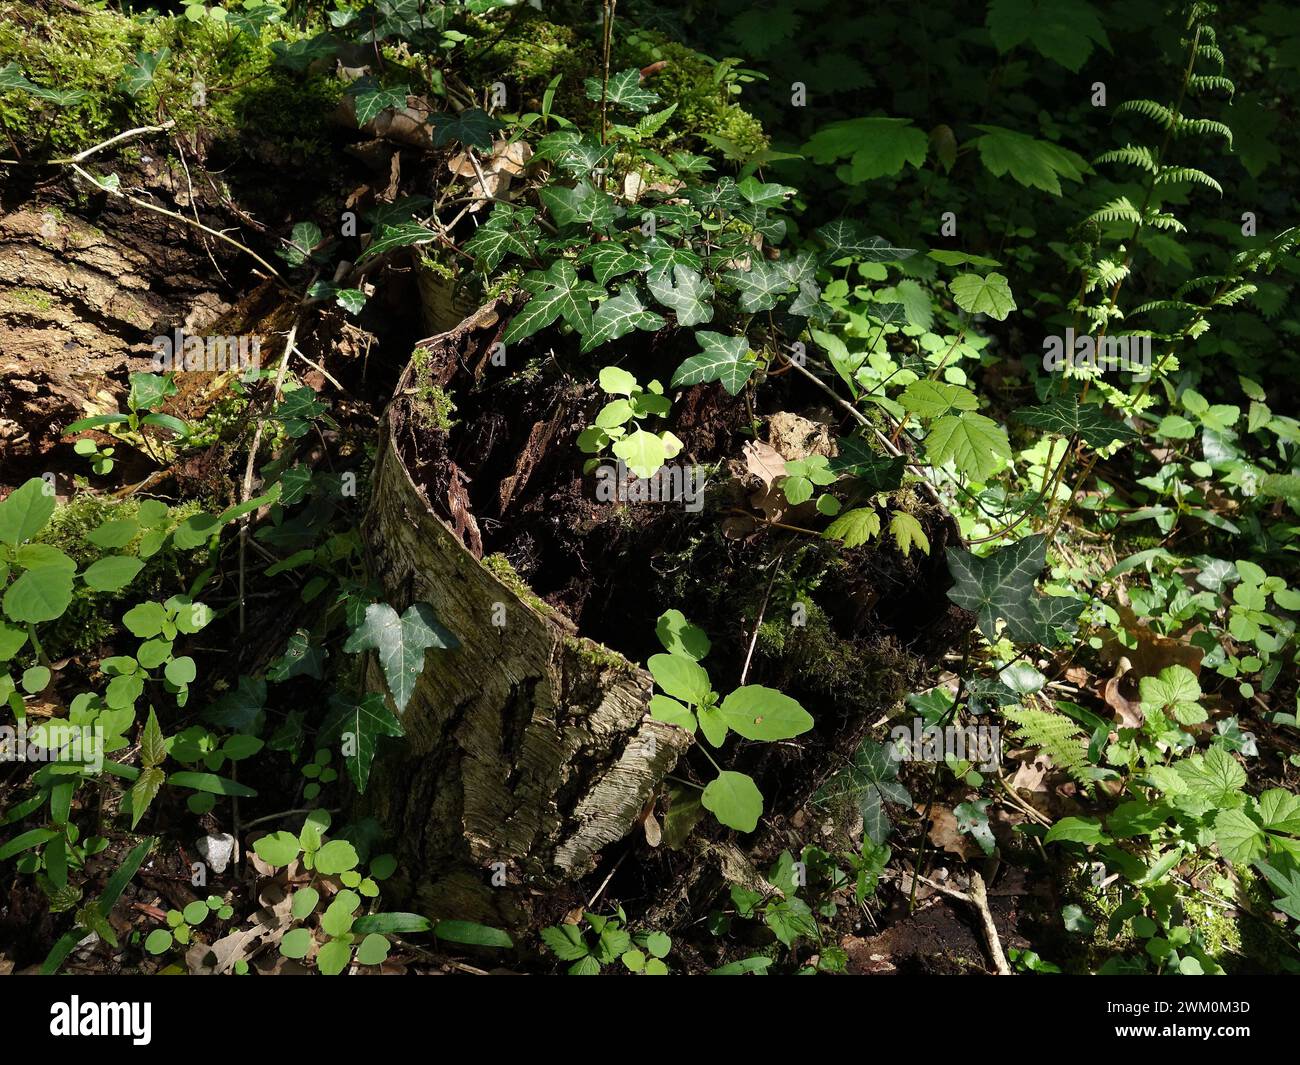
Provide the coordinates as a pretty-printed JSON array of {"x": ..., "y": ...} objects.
[{"x": 1055, "y": 735}]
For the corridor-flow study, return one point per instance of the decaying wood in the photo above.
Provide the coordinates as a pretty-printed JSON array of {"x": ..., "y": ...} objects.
[{"x": 528, "y": 749}]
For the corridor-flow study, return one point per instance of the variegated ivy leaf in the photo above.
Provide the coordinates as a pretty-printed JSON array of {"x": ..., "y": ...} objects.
[
  {"x": 557, "y": 293},
  {"x": 624, "y": 90},
  {"x": 666, "y": 257},
  {"x": 401, "y": 641},
  {"x": 764, "y": 195},
  {"x": 610, "y": 259},
  {"x": 1000, "y": 586},
  {"x": 398, "y": 236},
  {"x": 574, "y": 153},
  {"x": 510, "y": 231},
  {"x": 686, "y": 293},
  {"x": 366, "y": 720},
  {"x": 582, "y": 204},
  {"x": 12, "y": 78},
  {"x": 1066, "y": 417},
  {"x": 760, "y": 287},
  {"x": 139, "y": 76},
  {"x": 371, "y": 99},
  {"x": 618, "y": 316},
  {"x": 722, "y": 195},
  {"x": 725, "y": 359},
  {"x": 845, "y": 238}
]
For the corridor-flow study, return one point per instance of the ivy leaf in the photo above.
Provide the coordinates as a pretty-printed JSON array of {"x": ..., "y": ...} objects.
[
  {"x": 870, "y": 780},
  {"x": 989, "y": 295},
  {"x": 1067, "y": 417},
  {"x": 139, "y": 77},
  {"x": 734, "y": 799},
  {"x": 875, "y": 147},
  {"x": 301, "y": 658},
  {"x": 12, "y": 78},
  {"x": 854, "y": 527},
  {"x": 398, "y": 236},
  {"x": 624, "y": 90},
  {"x": 844, "y": 239},
  {"x": 557, "y": 293},
  {"x": 373, "y": 99},
  {"x": 760, "y": 287},
  {"x": 684, "y": 292},
  {"x": 762, "y": 194},
  {"x": 1000, "y": 586},
  {"x": 574, "y": 153},
  {"x": 609, "y": 259},
  {"x": 723, "y": 358},
  {"x": 582, "y": 204},
  {"x": 975, "y": 444},
  {"x": 303, "y": 240},
  {"x": 907, "y": 532},
  {"x": 760, "y": 713},
  {"x": 618, "y": 316},
  {"x": 472, "y": 127},
  {"x": 973, "y": 820},
  {"x": 366, "y": 721},
  {"x": 401, "y": 642}
]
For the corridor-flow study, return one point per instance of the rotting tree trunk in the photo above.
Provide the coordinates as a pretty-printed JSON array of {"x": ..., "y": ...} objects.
[{"x": 529, "y": 748}]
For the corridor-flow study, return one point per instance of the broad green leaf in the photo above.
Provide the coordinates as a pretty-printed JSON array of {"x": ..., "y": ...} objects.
[
  {"x": 680, "y": 637},
  {"x": 278, "y": 848},
  {"x": 757, "y": 712},
  {"x": 584, "y": 204},
  {"x": 855, "y": 527},
  {"x": 1033, "y": 163},
  {"x": 681, "y": 677},
  {"x": 643, "y": 452},
  {"x": 875, "y": 147},
  {"x": 371, "y": 100},
  {"x": 734, "y": 799},
  {"x": 401, "y": 642},
  {"x": 989, "y": 295},
  {"x": 146, "y": 786},
  {"x": 112, "y": 572},
  {"x": 1077, "y": 830},
  {"x": 25, "y": 511},
  {"x": 930, "y": 399},
  {"x": 210, "y": 782},
  {"x": 1240, "y": 839},
  {"x": 1064, "y": 31},
  {"x": 37, "y": 595},
  {"x": 296, "y": 943},
  {"x": 138, "y": 77},
  {"x": 473, "y": 127},
  {"x": 870, "y": 780},
  {"x": 977, "y": 445},
  {"x": 760, "y": 287},
  {"x": 609, "y": 259},
  {"x": 337, "y": 856},
  {"x": 401, "y": 235},
  {"x": 907, "y": 532},
  {"x": 672, "y": 712}
]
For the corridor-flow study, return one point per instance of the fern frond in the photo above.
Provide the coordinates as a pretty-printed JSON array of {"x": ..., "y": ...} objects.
[
  {"x": 1055, "y": 735},
  {"x": 1166, "y": 305},
  {"x": 1149, "y": 109},
  {"x": 1233, "y": 296},
  {"x": 1205, "y": 281},
  {"x": 1201, "y": 82},
  {"x": 1199, "y": 127},
  {"x": 1210, "y": 52},
  {"x": 1118, "y": 210},
  {"x": 1132, "y": 154},
  {"x": 1179, "y": 175},
  {"x": 1163, "y": 220}
]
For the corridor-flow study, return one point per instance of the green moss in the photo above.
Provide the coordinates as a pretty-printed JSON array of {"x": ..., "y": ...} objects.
[
  {"x": 499, "y": 566},
  {"x": 28, "y": 297},
  {"x": 597, "y": 655},
  {"x": 431, "y": 405},
  {"x": 91, "y": 618}
]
